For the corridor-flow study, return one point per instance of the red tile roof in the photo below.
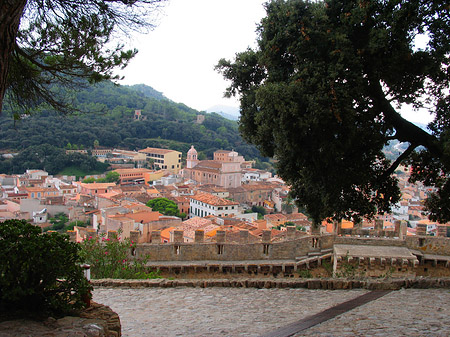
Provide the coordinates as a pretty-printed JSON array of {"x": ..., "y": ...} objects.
[{"x": 213, "y": 200}]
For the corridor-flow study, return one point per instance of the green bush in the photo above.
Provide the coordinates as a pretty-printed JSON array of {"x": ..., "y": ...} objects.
[
  {"x": 111, "y": 258},
  {"x": 40, "y": 274}
]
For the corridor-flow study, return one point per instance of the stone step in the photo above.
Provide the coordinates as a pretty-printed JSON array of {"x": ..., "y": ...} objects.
[{"x": 310, "y": 254}]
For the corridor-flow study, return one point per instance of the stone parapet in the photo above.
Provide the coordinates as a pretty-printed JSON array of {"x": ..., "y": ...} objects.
[
  {"x": 156, "y": 237},
  {"x": 220, "y": 236},
  {"x": 266, "y": 235},
  {"x": 199, "y": 236},
  {"x": 134, "y": 236},
  {"x": 421, "y": 229},
  {"x": 178, "y": 236},
  {"x": 314, "y": 283}
]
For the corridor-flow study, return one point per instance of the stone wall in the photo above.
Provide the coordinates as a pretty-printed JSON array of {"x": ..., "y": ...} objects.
[
  {"x": 291, "y": 247},
  {"x": 230, "y": 251},
  {"x": 353, "y": 240},
  {"x": 429, "y": 244}
]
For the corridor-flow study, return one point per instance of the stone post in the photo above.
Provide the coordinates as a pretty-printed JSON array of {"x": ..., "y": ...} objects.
[
  {"x": 335, "y": 227},
  {"x": 266, "y": 235},
  {"x": 441, "y": 230},
  {"x": 156, "y": 237},
  {"x": 397, "y": 224},
  {"x": 220, "y": 236},
  {"x": 379, "y": 227},
  {"x": 72, "y": 236},
  {"x": 178, "y": 236},
  {"x": 421, "y": 229},
  {"x": 134, "y": 236},
  {"x": 243, "y": 235},
  {"x": 339, "y": 227},
  {"x": 403, "y": 230},
  {"x": 379, "y": 224},
  {"x": 357, "y": 227},
  {"x": 290, "y": 232},
  {"x": 199, "y": 236},
  {"x": 91, "y": 233},
  {"x": 315, "y": 230},
  {"x": 112, "y": 235}
]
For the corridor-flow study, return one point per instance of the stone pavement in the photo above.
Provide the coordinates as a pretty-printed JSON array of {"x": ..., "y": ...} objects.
[{"x": 220, "y": 311}]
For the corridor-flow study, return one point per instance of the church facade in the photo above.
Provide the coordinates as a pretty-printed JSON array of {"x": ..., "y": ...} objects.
[{"x": 224, "y": 170}]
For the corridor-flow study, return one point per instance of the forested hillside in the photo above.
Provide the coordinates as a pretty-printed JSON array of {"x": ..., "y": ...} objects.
[{"x": 110, "y": 122}]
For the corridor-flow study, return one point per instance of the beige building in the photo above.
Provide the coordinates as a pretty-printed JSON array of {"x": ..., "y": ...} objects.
[
  {"x": 163, "y": 158},
  {"x": 224, "y": 170},
  {"x": 133, "y": 175}
]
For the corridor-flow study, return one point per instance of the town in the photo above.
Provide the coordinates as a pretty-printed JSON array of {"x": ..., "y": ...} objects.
[{"x": 223, "y": 193}]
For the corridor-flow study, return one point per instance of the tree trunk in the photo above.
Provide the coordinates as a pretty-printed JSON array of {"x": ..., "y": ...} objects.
[
  {"x": 406, "y": 131},
  {"x": 11, "y": 12}
]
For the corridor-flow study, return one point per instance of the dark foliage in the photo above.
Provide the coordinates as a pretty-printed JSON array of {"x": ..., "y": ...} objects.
[
  {"x": 40, "y": 274},
  {"x": 320, "y": 94},
  {"x": 167, "y": 125}
]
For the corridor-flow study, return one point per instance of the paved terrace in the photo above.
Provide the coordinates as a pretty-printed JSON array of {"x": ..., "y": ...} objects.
[{"x": 185, "y": 311}]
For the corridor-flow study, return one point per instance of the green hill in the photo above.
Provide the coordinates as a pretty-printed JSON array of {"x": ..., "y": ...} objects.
[{"x": 110, "y": 121}]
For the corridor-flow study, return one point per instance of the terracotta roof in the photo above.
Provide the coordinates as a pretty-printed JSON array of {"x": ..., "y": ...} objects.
[
  {"x": 155, "y": 150},
  {"x": 275, "y": 216},
  {"x": 66, "y": 187},
  {"x": 39, "y": 189},
  {"x": 211, "y": 199},
  {"x": 260, "y": 186},
  {"x": 213, "y": 188},
  {"x": 222, "y": 151},
  {"x": 95, "y": 186},
  {"x": 206, "y": 169},
  {"x": 196, "y": 222},
  {"x": 208, "y": 164},
  {"x": 296, "y": 216},
  {"x": 165, "y": 233},
  {"x": 191, "y": 225},
  {"x": 132, "y": 170},
  {"x": 109, "y": 195},
  {"x": 144, "y": 217}
]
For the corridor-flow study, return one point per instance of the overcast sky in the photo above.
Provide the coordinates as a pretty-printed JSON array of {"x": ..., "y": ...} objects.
[{"x": 179, "y": 55}]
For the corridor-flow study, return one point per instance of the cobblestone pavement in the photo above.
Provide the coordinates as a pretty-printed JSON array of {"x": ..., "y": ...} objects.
[
  {"x": 411, "y": 312},
  {"x": 252, "y": 312}
]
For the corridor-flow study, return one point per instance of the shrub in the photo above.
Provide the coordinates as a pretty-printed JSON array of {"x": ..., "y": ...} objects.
[
  {"x": 40, "y": 274},
  {"x": 111, "y": 258}
]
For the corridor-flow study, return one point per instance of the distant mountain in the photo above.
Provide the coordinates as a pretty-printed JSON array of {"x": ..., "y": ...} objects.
[
  {"x": 110, "y": 120},
  {"x": 228, "y": 112},
  {"x": 148, "y": 91}
]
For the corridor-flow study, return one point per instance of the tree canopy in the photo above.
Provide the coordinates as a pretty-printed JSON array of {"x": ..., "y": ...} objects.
[
  {"x": 322, "y": 92},
  {"x": 165, "y": 206},
  {"x": 47, "y": 42}
]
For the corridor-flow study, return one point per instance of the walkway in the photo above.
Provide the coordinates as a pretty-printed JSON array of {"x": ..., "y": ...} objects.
[{"x": 254, "y": 312}]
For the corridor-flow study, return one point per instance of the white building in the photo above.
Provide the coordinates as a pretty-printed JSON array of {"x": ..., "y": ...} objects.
[
  {"x": 251, "y": 174},
  {"x": 204, "y": 204}
]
